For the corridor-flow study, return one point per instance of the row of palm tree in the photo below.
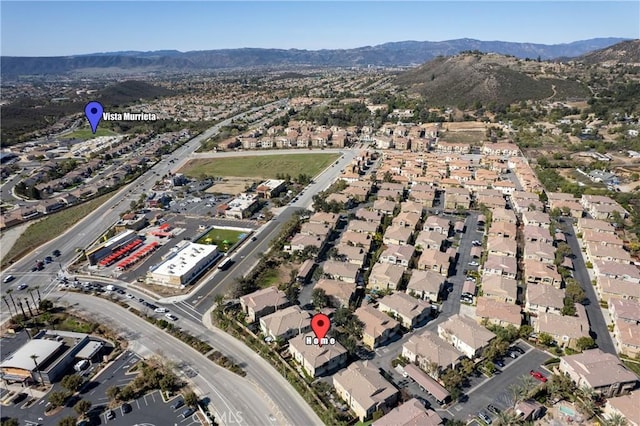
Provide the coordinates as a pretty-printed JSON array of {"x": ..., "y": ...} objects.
[{"x": 17, "y": 302}]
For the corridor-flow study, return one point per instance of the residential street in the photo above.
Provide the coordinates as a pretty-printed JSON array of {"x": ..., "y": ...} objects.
[{"x": 597, "y": 323}]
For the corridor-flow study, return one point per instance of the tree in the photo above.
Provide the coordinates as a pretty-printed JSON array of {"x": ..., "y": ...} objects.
[
  {"x": 574, "y": 291},
  {"x": 545, "y": 339},
  {"x": 113, "y": 393},
  {"x": 585, "y": 342},
  {"x": 57, "y": 398},
  {"x": 191, "y": 399},
  {"x": 525, "y": 331},
  {"x": 72, "y": 382},
  {"x": 45, "y": 305},
  {"x": 68, "y": 421},
  {"x": 82, "y": 407},
  {"x": 319, "y": 298},
  {"x": 614, "y": 419},
  {"x": 467, "y": 366}
]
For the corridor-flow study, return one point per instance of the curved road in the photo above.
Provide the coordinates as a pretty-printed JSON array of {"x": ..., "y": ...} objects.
[{"x": 229, "y": 393}]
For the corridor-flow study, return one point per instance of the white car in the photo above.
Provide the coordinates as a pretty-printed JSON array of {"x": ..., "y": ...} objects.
[
  {"x": 130, "y": 296},
  {"x": 473, "y": 263},
  {"x": 171, "y": 317},
  {"x": 161, "y": 310}
]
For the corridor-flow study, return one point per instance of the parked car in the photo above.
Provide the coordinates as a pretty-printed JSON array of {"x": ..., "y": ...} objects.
[
  {"x": 493, "y": 409},
  {"x": 179, "y": 403},
  {"x": 126, "y": 408},
  {"x": 485, "y": 417},
  {"x": 186, "y": 413},
  {"x": 513, "y": 354},
  {"x": 538, "y": 376},
  {"x": 499, "y": 363},
  {"x": 517, "y": 349},
  {"x": 476, "y": 243},
  {"x": 130, "y": 296},
  {"x": 111, "y": 415},
  {"x": 473, "y": 263},
  {"x": 160, "y": 310}
]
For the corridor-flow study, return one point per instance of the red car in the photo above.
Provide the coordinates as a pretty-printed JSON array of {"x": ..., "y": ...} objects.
[{"x": 538, "y": 375}]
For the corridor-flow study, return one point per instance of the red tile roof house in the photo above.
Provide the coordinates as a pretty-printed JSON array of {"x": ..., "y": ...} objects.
[
  {"x": 263, "y": 302},
  {"x": 425, "y": 285},
  {"x": 385, "y": 276},
  {"x": 379, "y": 327},
  {"x": 406, "y": 309},
  {"x": 425, "y": 347},
  {"x": 398, "y": 254},
  {"x": 365, "y": 390},
  {"x": 341, "y": 271},
  {"x": 600, "y": 371}
]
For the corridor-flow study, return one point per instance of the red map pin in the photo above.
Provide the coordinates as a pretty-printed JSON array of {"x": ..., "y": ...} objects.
[{"x": 320, "y": 324}]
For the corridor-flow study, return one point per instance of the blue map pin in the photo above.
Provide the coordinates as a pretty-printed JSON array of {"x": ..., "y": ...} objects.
[{"x": 93, "y": 112}]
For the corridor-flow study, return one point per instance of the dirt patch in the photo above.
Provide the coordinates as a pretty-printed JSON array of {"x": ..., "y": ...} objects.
[
  {"x": 231, "y": 186},
  {"x": 465, "y": 126}
]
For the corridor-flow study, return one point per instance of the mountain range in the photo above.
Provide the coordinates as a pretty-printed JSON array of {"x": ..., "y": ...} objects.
[{"x": 404, "y": 53}]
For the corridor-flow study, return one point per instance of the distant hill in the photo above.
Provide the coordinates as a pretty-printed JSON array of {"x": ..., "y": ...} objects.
[
  {"x": 405, "y": 53},
  {"x": 627, "y": 52},
  {"x": 131, "y": 91},
  {"x": 26, "y": 115},
  {"x": 469, "y": 77}
]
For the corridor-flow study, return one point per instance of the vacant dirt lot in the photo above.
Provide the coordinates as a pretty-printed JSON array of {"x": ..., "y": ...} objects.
[{"x": 231, "y": 186}]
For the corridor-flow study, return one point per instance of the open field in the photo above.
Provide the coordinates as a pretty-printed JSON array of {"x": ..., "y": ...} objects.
[
  {"x": 265, "y": 167},
  {"x": 223, "y": 238},
  {"x": 85, "y": 134},
  {"x": 463, "y": 136},
  {"x": 50, "y": 227}
]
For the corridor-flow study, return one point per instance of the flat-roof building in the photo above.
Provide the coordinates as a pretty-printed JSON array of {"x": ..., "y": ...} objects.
[
  {"x": 48, "y": 356},
  {"x": 184, "y": 266}
]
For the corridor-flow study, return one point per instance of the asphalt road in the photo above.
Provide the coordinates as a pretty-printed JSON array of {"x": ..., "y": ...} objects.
[
  {"x": 229, "y": 393},
  {"x": 597, "y": 322}
]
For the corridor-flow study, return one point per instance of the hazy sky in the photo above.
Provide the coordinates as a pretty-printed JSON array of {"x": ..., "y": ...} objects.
[{"x": 50, "y": 28}]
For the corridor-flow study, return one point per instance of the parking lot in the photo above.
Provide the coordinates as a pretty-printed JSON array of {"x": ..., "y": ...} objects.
[
  {"x": 149, "y": 409},
  {"x": 483, "y": 391}
]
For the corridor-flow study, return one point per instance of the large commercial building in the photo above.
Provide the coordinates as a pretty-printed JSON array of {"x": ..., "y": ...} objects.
[
  {"x": 48, "y": 356},
  {"x": 184, "y": 266}
]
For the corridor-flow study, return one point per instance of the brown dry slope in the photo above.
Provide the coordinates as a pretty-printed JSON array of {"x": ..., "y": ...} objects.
[{"x": 466, "y": 78}]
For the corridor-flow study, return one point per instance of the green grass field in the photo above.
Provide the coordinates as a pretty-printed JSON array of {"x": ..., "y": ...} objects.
[
  {"x": 223, "y": 238},
  {"x": 85, "y": 134},
  {"x": 50, "y": 227},
  {"x": 260, "y": 166}
]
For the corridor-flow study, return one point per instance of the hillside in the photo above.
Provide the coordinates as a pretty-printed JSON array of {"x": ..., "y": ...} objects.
[
  {"x": 404, "y": 53},
  {"x": 470, "y": 77},
  {"x": 627, "y": 52}
]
